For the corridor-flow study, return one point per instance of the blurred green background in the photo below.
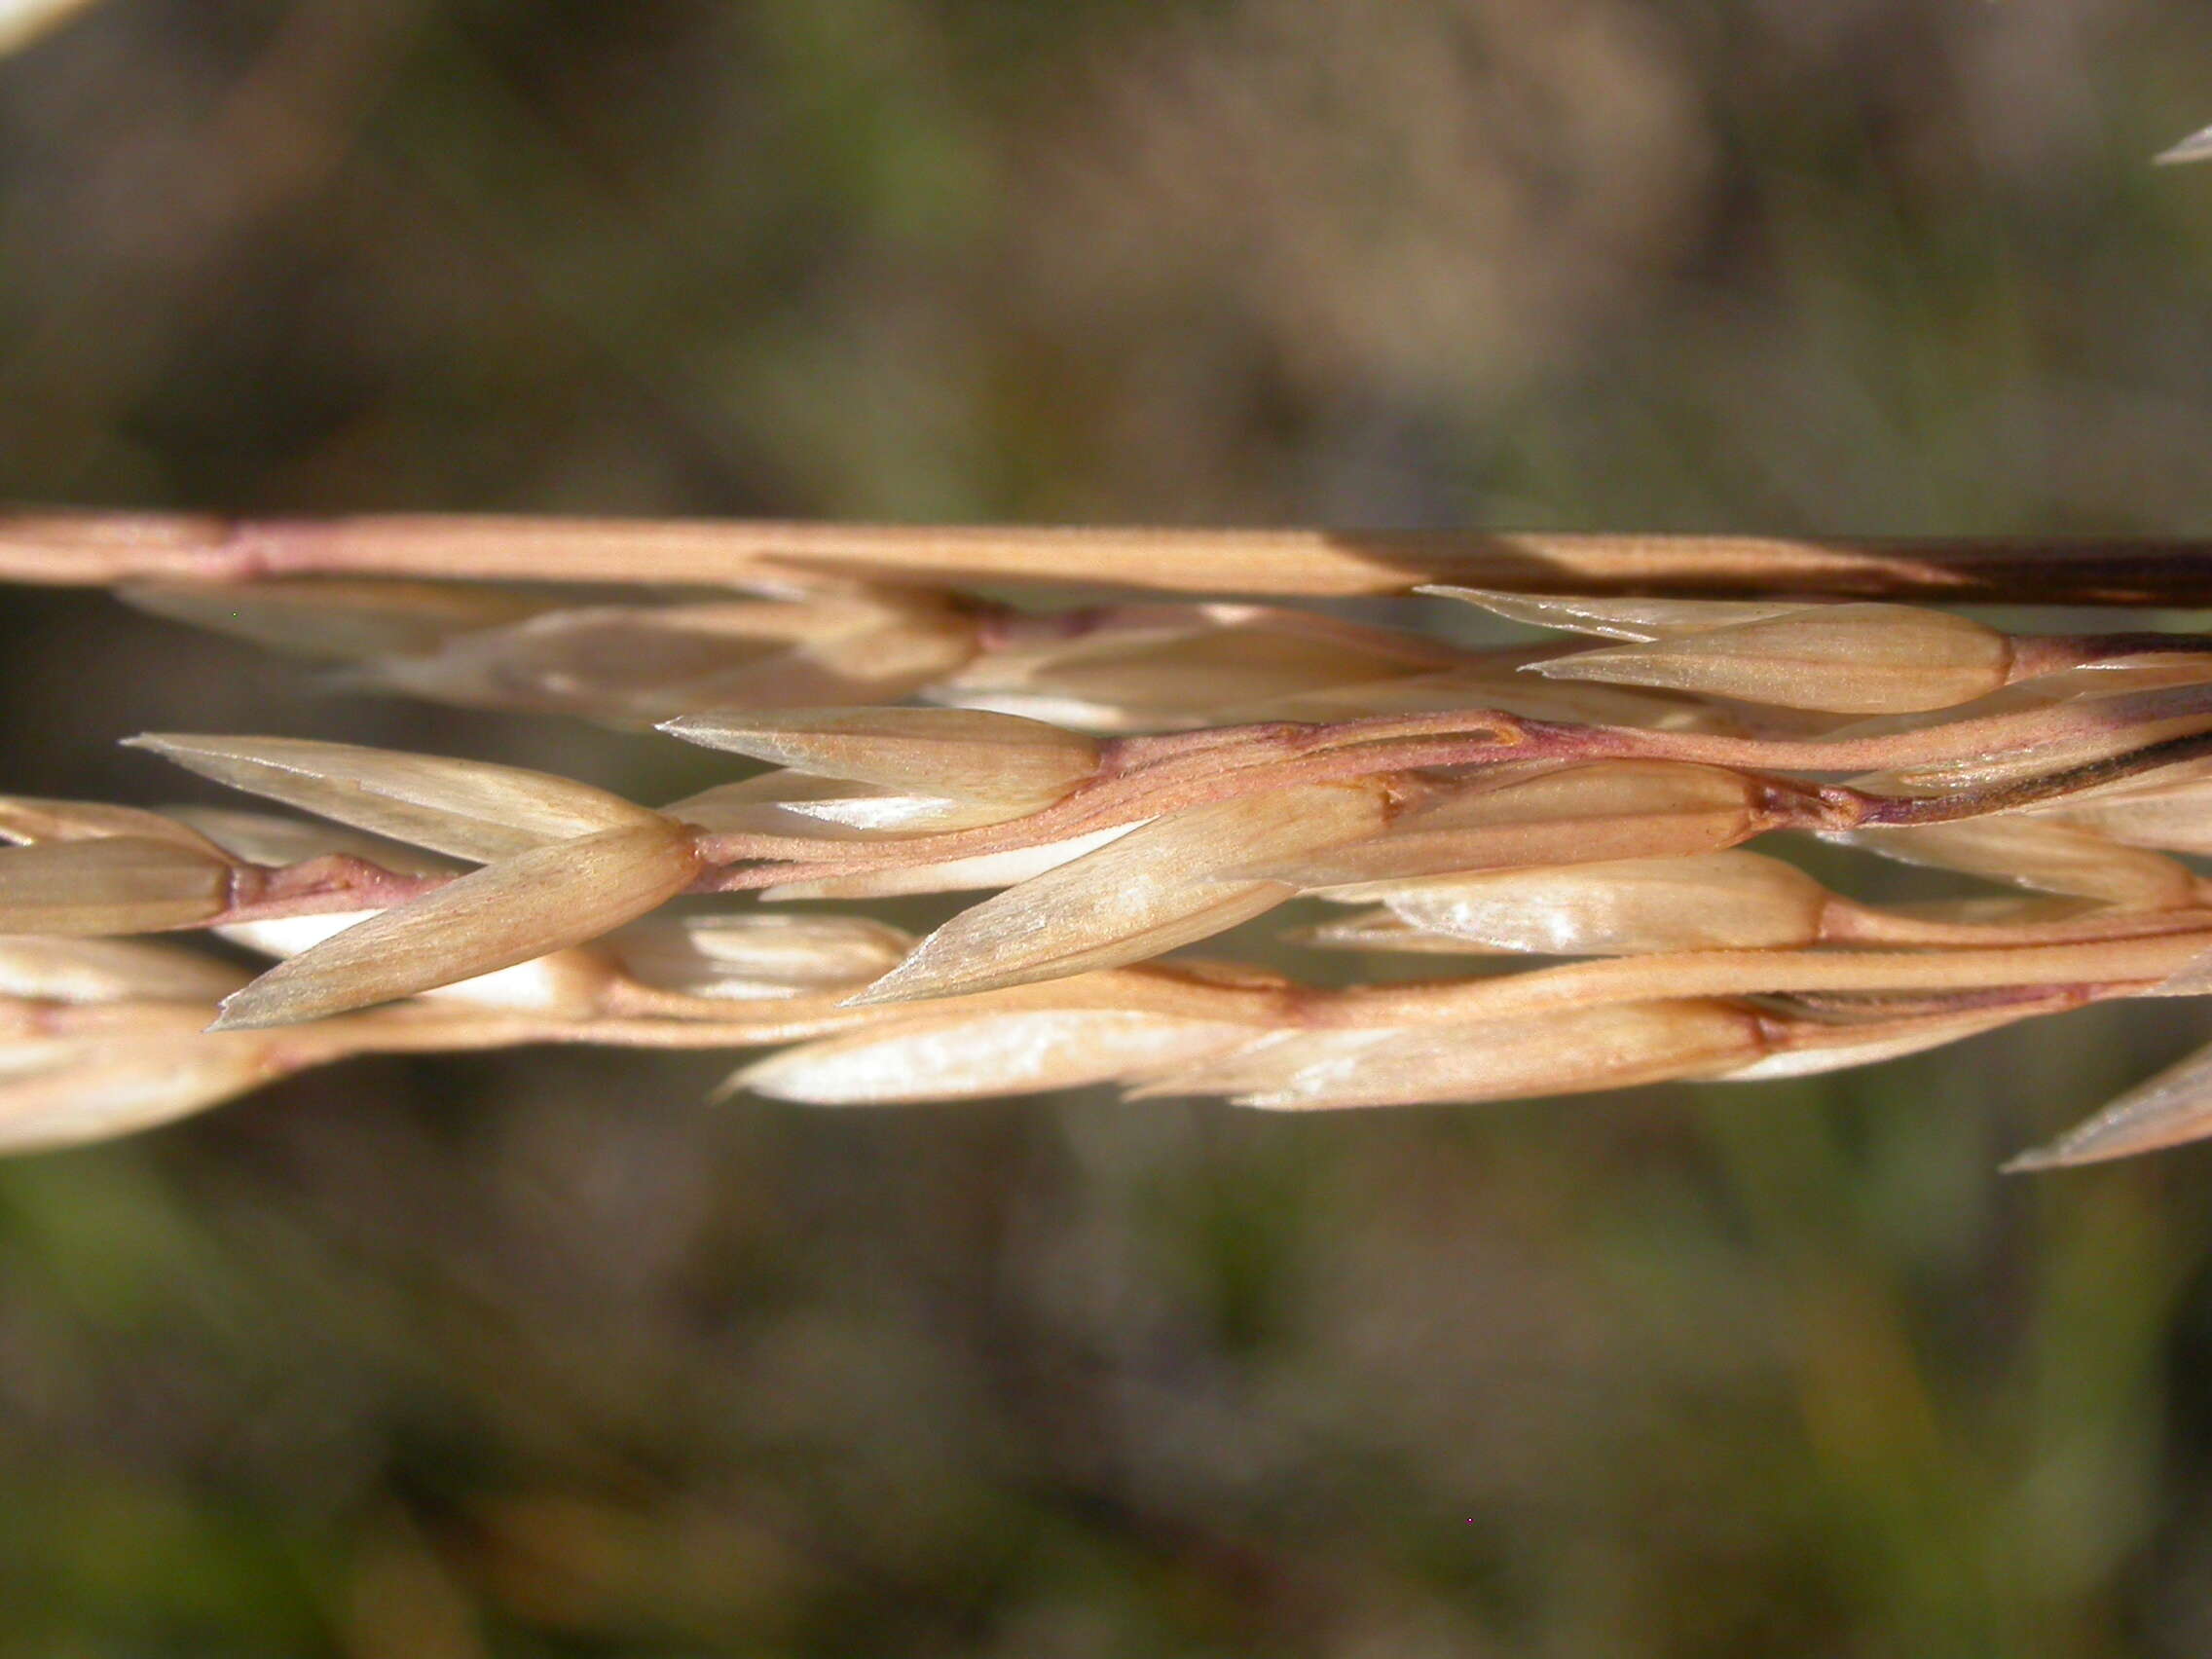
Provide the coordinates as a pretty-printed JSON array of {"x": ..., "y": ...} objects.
[{"x": 542, "y": 1355}]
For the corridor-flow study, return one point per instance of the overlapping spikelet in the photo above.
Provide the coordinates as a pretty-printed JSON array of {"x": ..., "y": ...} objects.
[{"x": 1120, "y": 782}]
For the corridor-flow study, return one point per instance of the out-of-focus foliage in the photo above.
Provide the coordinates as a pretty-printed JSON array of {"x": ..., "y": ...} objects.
[{"x": 549, "y": 1357}]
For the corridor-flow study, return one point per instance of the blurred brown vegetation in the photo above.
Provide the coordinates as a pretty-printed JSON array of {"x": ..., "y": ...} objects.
[{"x": 546, "y": 1357}]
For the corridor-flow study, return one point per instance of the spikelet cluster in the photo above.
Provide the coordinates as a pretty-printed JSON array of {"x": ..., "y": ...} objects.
[{"x": 1551, "y": 839}]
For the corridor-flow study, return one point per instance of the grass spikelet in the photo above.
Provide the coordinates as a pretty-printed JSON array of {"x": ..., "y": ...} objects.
[
  {"x": 953, "y": 875},
  {"x": 2176, "y": 817},
  {"x": 505, "y": 913},
  {"x": 966, "y": 754},
  {"x": 471, "y": 809},
  {"x": 1850, "y": 659},
  {"x": 2170, "y": 1109},
  {"x": 269, "y": 838},
  {"x": 343, "y": 621},
  {"x": 118, "y": 884},
  {"x": 1605, "y": 810},
  {"x": 1702, "y": 901},
  {"x": 69, "y": 1092},
  {"x": 2038, "y": 853},
  {"x": 61, "y": 968},
  {"x": 967, "y": 1056},
  {"x": 1607, "y": 1048},
  {"x": 23, "y": 819},
  {"x": 1630, "y": 619},
  {"x": 632, "y": 665},
  {"x": 1156, "y": 889},
  {"x": 1152, "y": 668},
  {"x": 754, "y": 957}
]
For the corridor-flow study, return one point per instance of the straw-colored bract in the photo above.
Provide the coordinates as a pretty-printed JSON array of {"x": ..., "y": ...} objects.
[{"x": 1131, "y": 775}]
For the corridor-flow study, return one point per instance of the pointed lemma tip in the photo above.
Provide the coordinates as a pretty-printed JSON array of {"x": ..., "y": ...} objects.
[
  {"x": 2197, "y": 147},
  {"x": 1156, "y": 1089},
  {"x": 878, "y": 992},
  {"x": 687, "y": 722},
  {"x": 235, "y": 1013},
  {"x": 913, "y": 982},
  {"x": 2067, "y": 1152},
  {"x": 1575, "y": 665},
  {"x": 731, "y": 1086},
  {"x": 255, "y": 1007}
]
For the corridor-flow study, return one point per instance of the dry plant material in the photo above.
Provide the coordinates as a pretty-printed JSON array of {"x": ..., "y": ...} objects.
[
  {"x": 2197, "y": 147},
  {"x": 1118, "y": 781}
]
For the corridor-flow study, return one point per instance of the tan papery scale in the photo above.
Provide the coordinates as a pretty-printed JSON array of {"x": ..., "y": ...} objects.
[
  {"x": 504, "y": 914},
  {"x": 965, "y": 753},
  {"x": 473, "y": 809},
  {"x": 116, "y": 884},
  {"x": 1160, "y": 887}
]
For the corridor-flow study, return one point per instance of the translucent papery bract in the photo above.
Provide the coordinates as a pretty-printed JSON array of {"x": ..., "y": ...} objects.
[
  {"x": 28, "y": 819},
  {"x": 1841, "y": 659},
  {"x": 1810, "y": 1049},
  {"x": 1631, "y": 620},
  {"x": 959, "y": 1057},
  {"x": 1595, "y": 811},
  {"x": 563, "y": 985},
  {"x": 755, "y": 957},
  {"x": 2183, "y": 779},
  {"x": 1070, "y": 713},
  {"x": 2197, "y": 147},
  {"x": 71, "y": 1093},
  {"x": 953, "y": 875},
  {"x": 1154, "y": 890},
  {"x": 1163, "y": 674},
  {"x": 1269, "y": 1062},
  {"x": 118, "y": 885},
  {"x": 2038, "y": 853},
  {"x": 507, "y": 913},
  {"x": 2071, "y": 738},
  {"x": 2171, "y": 1109},
  {"x": 829, "y": 809},
  {"x": 343, "y": 620},
  {"x": 1716, "y": 900},
  {"x": 2175, "y": 819},
  {"x": 110, "y": 971},
  {"x": 1567, "y": 1053},
  {"x": 966, "y": 754},
  {"x": 1501, "y": 688},
  {"x": 1377, "y": 928},
  {"x": 265, "y": 838},
  {"x": 637, "y": 664},
  {"x": 1990, "y": 910},
  {"x": 471, "y": 809}
]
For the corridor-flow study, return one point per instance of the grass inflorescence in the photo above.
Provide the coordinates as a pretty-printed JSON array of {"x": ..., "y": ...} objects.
[{"x": 1120, "y": 780}]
